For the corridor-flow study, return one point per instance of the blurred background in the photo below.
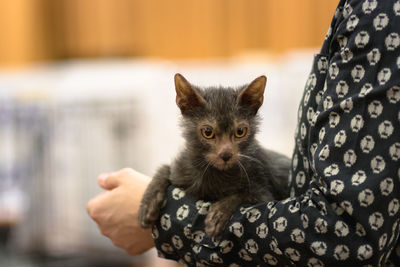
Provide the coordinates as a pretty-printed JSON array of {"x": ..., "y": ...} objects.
[{"x": 87, "y": 87}]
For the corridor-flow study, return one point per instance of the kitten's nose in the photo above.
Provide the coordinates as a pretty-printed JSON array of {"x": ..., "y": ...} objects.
[{"x": 226, "y": 156}]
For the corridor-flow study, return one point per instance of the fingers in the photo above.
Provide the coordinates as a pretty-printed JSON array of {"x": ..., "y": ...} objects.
[
  {"x": 94, "y": 206},
  {"x": 109, "y": 181},
  {"x": 101, "y": 179}
]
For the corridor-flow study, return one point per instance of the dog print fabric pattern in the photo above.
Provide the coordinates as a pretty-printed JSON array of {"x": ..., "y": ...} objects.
[{"x": 345, "y": 175}]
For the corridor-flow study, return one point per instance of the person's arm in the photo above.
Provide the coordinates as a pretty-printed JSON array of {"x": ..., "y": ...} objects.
[
  {"x": 345, "y": 176},
  {"x": 116, "y": 210}
]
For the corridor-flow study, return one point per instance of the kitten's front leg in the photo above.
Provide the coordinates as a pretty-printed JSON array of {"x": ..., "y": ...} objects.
[
  {"x": 220, "y": 213},
  {"x": 154, "y": 197}
]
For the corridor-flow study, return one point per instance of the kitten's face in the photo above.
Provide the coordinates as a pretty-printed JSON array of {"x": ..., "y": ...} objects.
[
  {"x": 219, "y": 123},
  {"x": 223, "y": 146}
]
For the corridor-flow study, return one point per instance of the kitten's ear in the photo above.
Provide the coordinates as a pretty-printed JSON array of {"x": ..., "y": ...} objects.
[
  {"x": 253, "y": 95},
  {"x": 187, "y": 97}
]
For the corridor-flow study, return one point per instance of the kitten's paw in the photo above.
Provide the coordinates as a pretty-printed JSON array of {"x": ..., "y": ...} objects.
[
  {"x": 216, "y": 221},
  {"x": 149, "y": 210}
]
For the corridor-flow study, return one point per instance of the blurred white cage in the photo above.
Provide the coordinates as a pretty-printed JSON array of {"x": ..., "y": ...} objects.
[{"x": 63, "y": 124}]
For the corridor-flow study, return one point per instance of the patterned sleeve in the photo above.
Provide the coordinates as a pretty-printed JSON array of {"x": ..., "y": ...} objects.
[{"x": 345, "y": 176}]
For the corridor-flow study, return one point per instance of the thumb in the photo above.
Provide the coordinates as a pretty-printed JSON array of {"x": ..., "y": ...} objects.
[{"x": 108, "y": 181}]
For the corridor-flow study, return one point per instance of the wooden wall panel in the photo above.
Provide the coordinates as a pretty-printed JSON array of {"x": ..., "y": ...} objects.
[
  {"x": 32, "y": 30},
  {"x": 21, "y": 31}
]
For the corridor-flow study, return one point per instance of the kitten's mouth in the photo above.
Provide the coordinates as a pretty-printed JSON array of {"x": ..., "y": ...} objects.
[
  {"x": 221, "y": 162},
  {"x": 223, "y": 165}
]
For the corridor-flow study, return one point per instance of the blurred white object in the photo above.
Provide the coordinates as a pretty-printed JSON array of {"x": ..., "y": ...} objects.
[{"x": 74, "y": 120}]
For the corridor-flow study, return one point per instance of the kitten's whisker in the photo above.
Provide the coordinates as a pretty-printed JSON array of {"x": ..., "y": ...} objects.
[
  {"x": 200, "y": 163},
  {"x": 251, "y": 158},
  {"x": 205, "y": 170},
  {"x": 245, "y": 172}
]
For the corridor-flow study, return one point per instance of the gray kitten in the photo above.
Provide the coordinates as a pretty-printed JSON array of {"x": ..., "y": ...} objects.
[{"x": 222, "y": 161}]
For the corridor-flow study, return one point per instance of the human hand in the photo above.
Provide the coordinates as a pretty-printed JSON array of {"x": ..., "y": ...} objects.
[{"x": 116, "y": 210}]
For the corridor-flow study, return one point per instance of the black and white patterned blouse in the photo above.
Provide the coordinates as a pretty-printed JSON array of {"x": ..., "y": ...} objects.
[{"x": 345, "y": 177}]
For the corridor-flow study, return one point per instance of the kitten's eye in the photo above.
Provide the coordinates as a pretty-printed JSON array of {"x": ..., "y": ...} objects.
[
  {"x": 207, "y": 132},
  {"x": 241, "y": 132}
]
